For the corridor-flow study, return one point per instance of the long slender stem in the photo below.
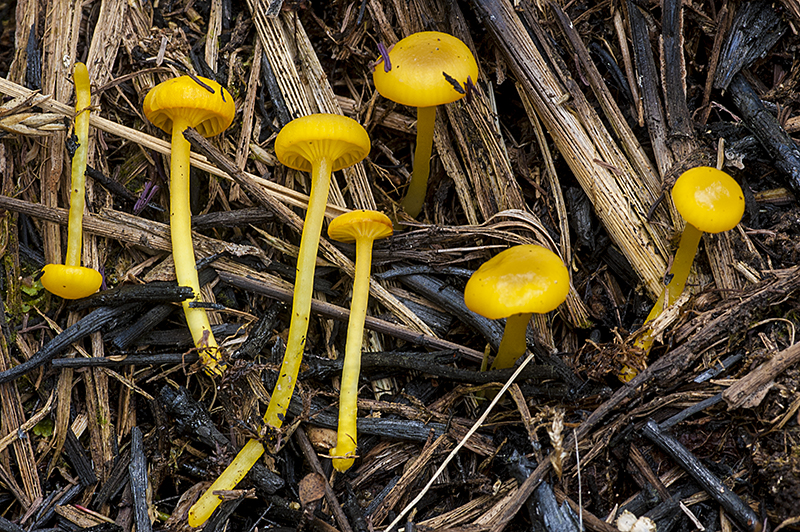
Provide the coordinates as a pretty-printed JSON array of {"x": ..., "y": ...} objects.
[
  {"x": 681, "y": 266},
  {"x": 303, "y": 292},
  {"x": 180, "y": 224},
  {"x": 287, "y": 378},
  {"x": 514, "y": 342},
  {"x": 415, "y": 195},
  {"x": 346, "y": 439},
  {"x": 77, "y": 195}
]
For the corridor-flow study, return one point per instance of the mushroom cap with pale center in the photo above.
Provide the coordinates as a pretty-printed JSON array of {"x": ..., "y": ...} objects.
[
  {"x": 354, "y": 225},
  {"x": 521, "y": 279},
  {"x": 308, "y": 139},
  {"x": 421, "y": 65},
  {"x": 709, "y": 199},
  {"x": 209, "y": 112}
]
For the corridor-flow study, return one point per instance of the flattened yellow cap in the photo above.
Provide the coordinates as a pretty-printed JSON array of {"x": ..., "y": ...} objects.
[
  {"x": 521, "y": 279},
  {"x": 353, "y": 225},
  {"x": 421, "y": 66}
]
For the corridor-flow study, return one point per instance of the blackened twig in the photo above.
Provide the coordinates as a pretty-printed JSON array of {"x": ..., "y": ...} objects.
[
  {"x": 91, "y": 323},
  {"x": 131, "y": 360},
  {"x": 688, "y": 412},
  {"x": 137, "y": 470},
  {"x": 153, "y": 292},
  {"x": 731, "y": 502}
]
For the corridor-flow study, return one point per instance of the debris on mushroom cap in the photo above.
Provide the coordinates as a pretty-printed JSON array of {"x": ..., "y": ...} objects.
[
  {"x": 352, "y": 225},
  {"x": 309, "y": 138},
  {"x": 709, "y": 199},
  {"x": 521, "y": 279},
  {"x": 209, "y": 112},
  {"x": 425, "y": 66}
]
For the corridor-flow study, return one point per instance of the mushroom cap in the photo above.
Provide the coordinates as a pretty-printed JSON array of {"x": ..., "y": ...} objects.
[
  {"x": 419, "y": 64},
  {"x": 353, "y": 225},
  {"x": 521, "y": 279},
  {"x": 209, "y": 113},
  {"x": 70, "y": 282},
  {"x": 307, "y": 139},
  {"x": 709, "y": 199}
]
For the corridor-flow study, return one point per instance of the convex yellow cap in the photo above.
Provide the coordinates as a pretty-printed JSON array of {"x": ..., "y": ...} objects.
[
  {"x": 521, "y": 279},
  {"x": 420, "y": 67},
  {"x": 709, "y": 199}
]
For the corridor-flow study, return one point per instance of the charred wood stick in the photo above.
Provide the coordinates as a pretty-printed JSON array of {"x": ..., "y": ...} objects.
[
  {"x": 127, "y": 337},
  {"x": 756, "y": 29},
  {"x": 153, "y": 292},
  {"x": 137, "y": 471},
  {"x": 68, "y": 496},
  {"x": 8, "y": 526},
  {"x": 731, "y": 502},
  {"x": 259, "y": 335},
  {"x": 338, "y": 313},
  {"x": 649, "y": 89},
  {"x": 689, "y": 412},
  {"x": 425, "y": 363},
  {"x": 452, "y": 300},
  {"x": 91, "y": 323},
  {"x": 116, "y": 480},
  {"x": 77, "y": 457},
  {"x": 767, "y": 130},
  {"x": 673, "y": 72},
  {"x": 731, "y": 320},
  {"x": 330, "y": 496},
  {"x": 219, "y": 519},
  {"x": 542, "y": 505},
  {"x": 193, "y": 420},
  {"x": 130, "y": 360}
]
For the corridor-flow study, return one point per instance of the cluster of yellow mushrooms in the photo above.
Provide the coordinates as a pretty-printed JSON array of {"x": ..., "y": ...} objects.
[{"x": 424, "y": 70}]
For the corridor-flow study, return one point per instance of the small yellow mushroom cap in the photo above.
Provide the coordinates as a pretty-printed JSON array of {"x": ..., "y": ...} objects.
[
  {"x": 419, "y": 64},
  {"x": 307, "y": 139},
  {"x": 71, "y": 282},
  {"x": 209, "y": 113},
  {"x": 709, "y": 199},
  {"x": 521, "y": 279},
  {"x": 355, "y": 225}
]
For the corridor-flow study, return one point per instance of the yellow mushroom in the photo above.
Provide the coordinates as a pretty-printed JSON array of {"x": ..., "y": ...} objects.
[
  {"x": 363, "y": 228},
  {"x": 427, "y": 69},
  {"x": 71, "y": 280},
  {"x": 174, "y": 106}
]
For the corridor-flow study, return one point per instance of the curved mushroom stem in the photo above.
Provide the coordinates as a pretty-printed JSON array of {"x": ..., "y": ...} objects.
[
  {"x": 77, "y": 194},
  {"x": 514, "y": 342},
  {"x": 303, "y": 291},
  {"x": 180, "y": 224},
  {"x": 346, "y": 437},
  {"x": 415, "y": 195},
  {"x": 681, "y": 266},
  {"x": 301, "y": 309}
]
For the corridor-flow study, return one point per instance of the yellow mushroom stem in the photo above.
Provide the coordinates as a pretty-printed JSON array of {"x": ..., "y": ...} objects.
[
  {"x": 348, "y": 393},
  {"x": 679, "y": 272},
  {"x": 180, "y": 223},
  {"x": 290, "y": 368},
  {"x": 514, "y": 342},
  {"x": 303, "y": 292},
  {"x": 77, "y": 194},
  {"x": 415, "y": 195}
]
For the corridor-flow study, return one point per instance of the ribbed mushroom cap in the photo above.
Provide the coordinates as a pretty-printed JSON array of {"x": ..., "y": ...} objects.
[
  {"x": 521, "y": 279},
  {"x": 419, "y": 65},
  {"x": 353, "y": 225},
  {"x": 709, "y": 199},
  {"x": 209, "y": 113},
  {"x": 309, "y": 138}
]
